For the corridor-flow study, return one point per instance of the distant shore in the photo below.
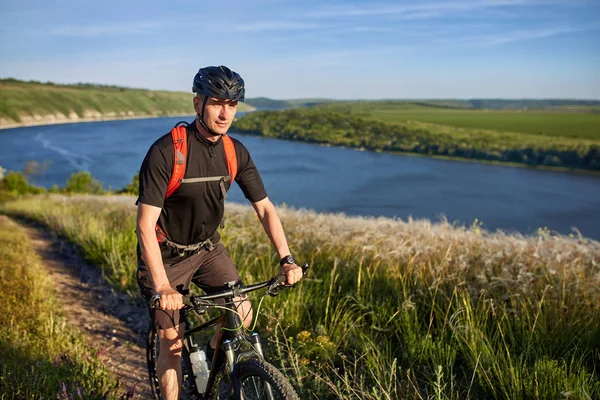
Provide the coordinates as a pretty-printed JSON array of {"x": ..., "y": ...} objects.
[{"x": 58, "y": 120}]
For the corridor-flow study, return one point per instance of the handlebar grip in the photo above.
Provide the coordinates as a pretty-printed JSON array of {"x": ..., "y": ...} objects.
[{"x": 282, "y": 279}]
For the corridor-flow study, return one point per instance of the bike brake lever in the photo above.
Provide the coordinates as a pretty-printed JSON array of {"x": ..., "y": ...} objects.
[
  {"x": 275, "y": 285},
  {"x": 304, "y": 269},
  {"x": 154, "y": 301}
]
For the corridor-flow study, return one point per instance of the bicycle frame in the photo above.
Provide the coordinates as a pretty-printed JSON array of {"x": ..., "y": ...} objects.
[
  {"x": 226, "y": 351},
  {"x": 231, "y": 334}
]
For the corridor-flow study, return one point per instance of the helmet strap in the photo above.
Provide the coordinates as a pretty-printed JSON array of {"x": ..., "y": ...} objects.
[{"x": 200, "y": 118}]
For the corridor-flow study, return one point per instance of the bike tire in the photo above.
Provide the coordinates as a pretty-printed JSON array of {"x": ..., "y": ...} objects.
[
  {"x": 188, "y": 385},
  {"x": 252, "y": 374}
]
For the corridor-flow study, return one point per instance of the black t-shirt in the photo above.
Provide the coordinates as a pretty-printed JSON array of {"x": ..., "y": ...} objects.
[{"x": 194, "y": 211}]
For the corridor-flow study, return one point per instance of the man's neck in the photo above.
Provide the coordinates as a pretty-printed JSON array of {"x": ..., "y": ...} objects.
[{"x": 205, "y": 134}]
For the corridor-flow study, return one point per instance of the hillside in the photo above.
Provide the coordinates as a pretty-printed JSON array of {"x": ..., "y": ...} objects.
[
  {"x": 36, "y": 103},
  {"x": 265, "y": 103},
  {"x": 383, "y": 129}
]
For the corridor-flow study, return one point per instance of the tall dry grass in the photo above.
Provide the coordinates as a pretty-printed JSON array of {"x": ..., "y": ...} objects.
[{"x": 394, "y": 309}]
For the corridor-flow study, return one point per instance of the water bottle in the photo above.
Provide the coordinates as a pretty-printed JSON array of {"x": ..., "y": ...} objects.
[{"x": 200, "y": 368}]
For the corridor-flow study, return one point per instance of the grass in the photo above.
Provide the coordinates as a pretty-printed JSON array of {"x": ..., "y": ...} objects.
[
  {"x": 20, "y": 100},
  {"x": 393, "y": 309},
  {"x": 42, "y": 356},
  {"x": 556, "y": 122}
]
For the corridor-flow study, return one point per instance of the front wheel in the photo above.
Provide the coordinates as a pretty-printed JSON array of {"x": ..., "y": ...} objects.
[{"x": 258, "y": 380}]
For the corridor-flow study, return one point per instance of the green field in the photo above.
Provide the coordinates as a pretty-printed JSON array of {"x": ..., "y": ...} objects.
[{"x": 568, "y": 122}]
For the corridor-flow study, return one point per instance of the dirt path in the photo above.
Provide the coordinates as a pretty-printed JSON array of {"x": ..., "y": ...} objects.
[{"x": 108, "y": 319}]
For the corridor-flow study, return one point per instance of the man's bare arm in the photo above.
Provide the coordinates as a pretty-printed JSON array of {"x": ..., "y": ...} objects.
[
  {"x": 147, "y": 217},
  {"x": 265, "y": 210}
]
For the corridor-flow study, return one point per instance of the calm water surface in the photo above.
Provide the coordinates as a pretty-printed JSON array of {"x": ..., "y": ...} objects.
[{"x": 331, "y": 179}]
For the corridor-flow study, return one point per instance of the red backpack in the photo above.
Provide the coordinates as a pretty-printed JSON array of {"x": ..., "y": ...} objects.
[{"x": 179, "y": 136}]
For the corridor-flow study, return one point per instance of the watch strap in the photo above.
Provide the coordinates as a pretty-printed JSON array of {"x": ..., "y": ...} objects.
[{"x": 287, "y": 260}]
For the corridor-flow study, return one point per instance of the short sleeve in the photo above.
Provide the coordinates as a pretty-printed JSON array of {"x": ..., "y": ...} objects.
[
  {"x": 248, "y": 178},
  {"x": 155, "y": 174}
]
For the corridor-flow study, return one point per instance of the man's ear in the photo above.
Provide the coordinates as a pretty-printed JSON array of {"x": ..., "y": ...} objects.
[{"x": 198, "y": 103}]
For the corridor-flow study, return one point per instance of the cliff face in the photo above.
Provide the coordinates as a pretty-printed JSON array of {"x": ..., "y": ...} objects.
[{"x": 72, "y": 117}]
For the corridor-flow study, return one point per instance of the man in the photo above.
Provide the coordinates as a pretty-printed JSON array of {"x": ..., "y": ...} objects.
[{"x": 177, "y": 233}]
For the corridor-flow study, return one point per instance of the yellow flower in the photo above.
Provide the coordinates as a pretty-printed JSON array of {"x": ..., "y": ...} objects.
[
  {"x": 324, "y": 341},
  {"x": 303, "y": 336}
]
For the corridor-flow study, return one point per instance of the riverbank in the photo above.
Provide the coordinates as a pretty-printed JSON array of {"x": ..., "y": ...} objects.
[
  {"x": 493, "y": 162},
  {"x": 58, "y": 119}
]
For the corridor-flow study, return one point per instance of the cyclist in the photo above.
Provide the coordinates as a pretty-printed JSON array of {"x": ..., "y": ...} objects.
[{"x": 177, "y": 233}]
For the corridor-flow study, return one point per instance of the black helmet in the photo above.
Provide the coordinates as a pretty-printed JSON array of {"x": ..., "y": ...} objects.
[{"x": 219, "y": 82}]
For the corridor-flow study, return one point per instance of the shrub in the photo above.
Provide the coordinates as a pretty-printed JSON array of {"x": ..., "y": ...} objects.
[
  {"x": 16, "y": 183},
  {"x": 83, "y": 182}
]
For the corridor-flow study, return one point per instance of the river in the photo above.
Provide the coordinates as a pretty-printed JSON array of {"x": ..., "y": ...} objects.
[{"x": 331, "y": 179}]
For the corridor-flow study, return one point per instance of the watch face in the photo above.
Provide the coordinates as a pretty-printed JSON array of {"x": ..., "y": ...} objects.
[{"x": 287, "y": 260}]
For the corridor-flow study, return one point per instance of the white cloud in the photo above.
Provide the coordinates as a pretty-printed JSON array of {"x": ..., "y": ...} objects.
[
  {"x": 274, "y": 26},
  {"x": 421, "y": 10},
  {"x": 128, "y": 28},
  {"x": 514, "y": 36}
]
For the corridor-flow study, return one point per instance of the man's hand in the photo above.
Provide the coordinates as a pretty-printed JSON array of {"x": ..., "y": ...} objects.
[
  {"x": 170, "y": 299},
  {"x": 292, "y": 272}
]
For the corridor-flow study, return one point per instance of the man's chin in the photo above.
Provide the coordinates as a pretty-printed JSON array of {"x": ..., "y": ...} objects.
[{"x": 221, "y": 130}]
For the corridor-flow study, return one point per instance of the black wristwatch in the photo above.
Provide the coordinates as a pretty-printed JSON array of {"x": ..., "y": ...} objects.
[{"x": 287, "y": 260}]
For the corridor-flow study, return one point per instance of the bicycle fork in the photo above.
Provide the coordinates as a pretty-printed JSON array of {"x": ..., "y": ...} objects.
[{"x": 254, "y": 340}]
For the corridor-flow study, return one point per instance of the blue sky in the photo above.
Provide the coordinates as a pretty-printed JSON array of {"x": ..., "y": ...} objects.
[{"x": 297, "y": 49}]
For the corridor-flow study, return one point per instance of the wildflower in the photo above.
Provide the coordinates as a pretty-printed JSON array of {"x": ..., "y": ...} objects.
[{"x": 303, "y": 336}]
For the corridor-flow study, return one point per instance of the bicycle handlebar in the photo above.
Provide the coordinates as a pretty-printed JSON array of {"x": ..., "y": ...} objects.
[{"x": 275, "y": 284}]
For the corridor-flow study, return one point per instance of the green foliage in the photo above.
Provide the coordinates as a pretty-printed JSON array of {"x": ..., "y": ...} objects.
[
  {"x": 16, "y": 183},
  {"x": 83, "y": 182},
  {"x": 42, "y": 357},
  {"x": 342, "y": 125}
]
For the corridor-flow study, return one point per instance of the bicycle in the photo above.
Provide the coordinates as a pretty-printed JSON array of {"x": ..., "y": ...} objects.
[{"x": 238, "y": 369}]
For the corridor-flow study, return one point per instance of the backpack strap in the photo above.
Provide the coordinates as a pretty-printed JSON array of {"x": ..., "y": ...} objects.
[
  {"x": 179, "y": 136},
  {"x": 231, "y": 157},
  {"x": 232, "y": 168}
]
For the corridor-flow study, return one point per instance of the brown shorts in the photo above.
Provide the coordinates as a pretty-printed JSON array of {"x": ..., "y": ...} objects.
[{"x": 210, "y": 270}]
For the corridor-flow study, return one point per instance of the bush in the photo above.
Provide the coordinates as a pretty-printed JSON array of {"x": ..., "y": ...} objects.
[
  {"x": 16, "y": 183},
  {"x": 83, "y": 182}
]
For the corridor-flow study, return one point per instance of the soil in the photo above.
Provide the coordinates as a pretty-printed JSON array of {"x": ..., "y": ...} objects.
[{"x": 109, "y": 319}]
